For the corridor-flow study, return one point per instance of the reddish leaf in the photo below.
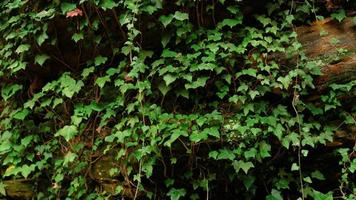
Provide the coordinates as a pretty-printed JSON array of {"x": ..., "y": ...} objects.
[
  {"x": 128, "y": 79},
  {"x": 74, "y": 13}
]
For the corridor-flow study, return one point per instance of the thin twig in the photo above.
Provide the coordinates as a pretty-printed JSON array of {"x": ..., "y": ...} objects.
[
  {"x": 62, "y": 62},
  {"x": 118, "y": 23},
  {"x": 294, "y": 102}
]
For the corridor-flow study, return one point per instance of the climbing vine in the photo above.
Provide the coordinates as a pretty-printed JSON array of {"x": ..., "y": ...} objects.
[{"x": 172, "y": 99}]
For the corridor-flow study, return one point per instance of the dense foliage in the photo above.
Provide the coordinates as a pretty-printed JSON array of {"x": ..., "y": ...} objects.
[{"x": 170, "y": 99}]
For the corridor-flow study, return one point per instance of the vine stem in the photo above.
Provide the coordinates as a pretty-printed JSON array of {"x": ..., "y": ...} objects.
[
  {"x": 294, "y": 102},
  {"x": 207, "y": 189},
  {"x": 140, "y": 163},
  {"x": 139, "y": 179},
  {"x": 295, "y": 99}
]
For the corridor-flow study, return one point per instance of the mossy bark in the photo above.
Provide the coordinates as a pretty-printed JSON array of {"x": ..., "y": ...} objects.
[{"x": 335, "y": 44}]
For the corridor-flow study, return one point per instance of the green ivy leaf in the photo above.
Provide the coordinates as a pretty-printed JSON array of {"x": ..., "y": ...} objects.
[
  {"x": 282, "y": 183},
  {"x": 59, "y": 177},
  {"x": 253, "y": 93},
  {"x": 41, "y": 59},
  {"x": 22, "y": 114},
  {"x": 102, "y": 80},
  {"x": 165, "y": 39},
  {"x": 27, "y": 169},
  {"x": 168, "y": 182},
  {"x": 56, "y": 102},
  {"x": 2, "y": 189},
  {"x": 245, "y": 166},
  {"x": 184, "y": 93},
  {"x": 321, "y": 196},
  {"x": 295, "y": 167},
  {"x": 150, "y": 9},
  {"x": 87, "y": 71},
  {"x": 289, "y": 19},
  {"x": 231, "y": 22},
  {"x": 204, "y": 66},
  {"x": 180, "y": 16},
  {"x": 291, "y": 137},
  {"x": 286, "y": 81},
  {"x": 339, "y": 15},
  {"x": 317, "y": 175},
  {"x": 352, "y": 167},
  {"x": 334, "y": 41},
  {"x": 45, "y": 14},
  {"x": 213, "y": 131},
  {"x": 213, "y": 154},
  {"x": 164, "y": 88},
  {"x": 17, "y": 66},
  {"x": 9, "y": 90},
  {"x": 200, "y": 82},
  {"x": 166, "y": 19},
  {"x": 226, "y": 154},
  {"x": 99, "y": 60},
  {"x": 197, "y": 136},
  {"x": 41, "y": 38},
  {"x": 265, "y": 148},
  {"x": 68, "y": 132},
  {"x": 274, "y": 30},
  {"x": 168, "y": 54},
  {"x": 264, "y": 20},
  {"x": 222, "y": 1},
  {"x": 68, "y": 158},
  {"x": 22, "y": 48},
  {"x": 251, "y": 153},
  {"x": 248, "y": 181},
  {"x": 176, "y": 194},
  {"x": 175, "y": 135},
  {"x": 251, "y": 72},
  {"x": 168, "y": 78},
  {"x": 108, "y": 4},
  {"x": 66, "y": 7},
  {"x": 233, "y": 9},
  {"x": 77, "y": 36},
  {"x": 5, "y": 146},
  {"x": 70, "y": 86},
  {"x": 307, "y": 179},
  {"x": 275, "y": 195}
]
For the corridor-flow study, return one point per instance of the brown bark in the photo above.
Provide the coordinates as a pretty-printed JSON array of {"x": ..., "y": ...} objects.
[{"x": 324, "y": 40}]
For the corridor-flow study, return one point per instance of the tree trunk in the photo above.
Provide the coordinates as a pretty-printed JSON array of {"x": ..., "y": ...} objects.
[{"x": 335, "y": 44}]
